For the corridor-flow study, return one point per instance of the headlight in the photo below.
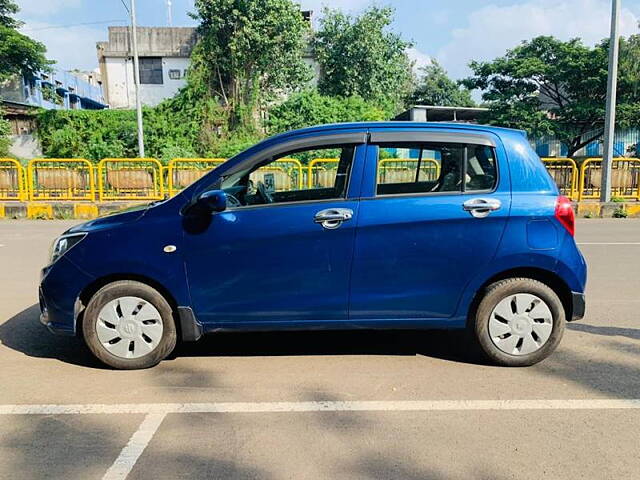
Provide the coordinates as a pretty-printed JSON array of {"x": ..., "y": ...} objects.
[{"x": 63, "y": 244}]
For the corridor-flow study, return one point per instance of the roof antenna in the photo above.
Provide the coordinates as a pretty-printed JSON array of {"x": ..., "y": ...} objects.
[{"x": 169, "y": 14}]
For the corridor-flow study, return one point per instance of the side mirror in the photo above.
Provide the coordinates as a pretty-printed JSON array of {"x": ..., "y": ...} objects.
[{"x": 213, "y": 200}]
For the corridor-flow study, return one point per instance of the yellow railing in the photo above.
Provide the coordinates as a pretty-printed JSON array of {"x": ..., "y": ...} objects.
[
  {"x": 323, "y": 177},
  {"x": 116, "y": 179},
  {"x": 130, "y": 179},
  {"x": 625, "y": 178},
  {"x": 12, "y": 180},
  {"x": 400, "y": 170},
  {"x": 290, "y": 168},
  {"x": 182, "y": 172},
  {"x": 564, "y": 172},
  {"x": 60, "y": 179}
]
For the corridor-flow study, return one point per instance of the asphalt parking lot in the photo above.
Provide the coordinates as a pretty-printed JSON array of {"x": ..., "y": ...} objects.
[{"x": 403, "y": 405}]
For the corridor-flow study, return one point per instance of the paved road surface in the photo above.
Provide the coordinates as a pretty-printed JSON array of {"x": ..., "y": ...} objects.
[{"x": 562, "y": 418}]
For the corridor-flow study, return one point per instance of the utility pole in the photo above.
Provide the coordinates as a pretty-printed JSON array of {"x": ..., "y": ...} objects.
[
  {"x": 169, "y": 14},
  {"x": 136, "y": 78},
  {"x": 610, "y": 115}
]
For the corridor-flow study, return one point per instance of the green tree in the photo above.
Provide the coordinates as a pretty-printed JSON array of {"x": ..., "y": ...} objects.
[
  {"x": 19, "y": 54},
  {"x": 629, "y": 69},
  {"x": 436, "y": 88},
  {"x": 359, "y": 56},
  {"x": 311, "y": 108},
  {"x": 547, "y": 87},
  {"x": 248, "y": 54}
]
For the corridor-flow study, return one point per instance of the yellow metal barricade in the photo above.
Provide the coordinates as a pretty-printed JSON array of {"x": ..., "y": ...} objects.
[
  {"x": 564, "y": 172},
  {"x": 318, "y": 175},
  {"x": 130, "y": 179},
  {"x": 12, "y": 180},
  {"x": 403, "y": 170},
  {"x": 625, "y": 178},
  {"x": 60, "y": 179},
  {"x": 182, "y": 172}
]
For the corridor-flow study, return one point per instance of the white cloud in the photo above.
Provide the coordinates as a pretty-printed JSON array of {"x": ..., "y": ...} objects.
[
  {"x": 345, "y": 5},
  {"x": 421, "y": 59},
  {"x": 70, "y": 47},
  {"x": 491, "y": 30},
  {"x": 43, "y": 8}
]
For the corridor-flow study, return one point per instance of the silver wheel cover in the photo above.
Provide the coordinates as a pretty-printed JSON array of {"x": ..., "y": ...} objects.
[
  {"x": 129, "y": 327},
  {"x": 520, "y": 324}
]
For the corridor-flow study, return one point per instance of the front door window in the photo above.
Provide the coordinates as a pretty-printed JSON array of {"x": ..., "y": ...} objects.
[{"x": 311, "y": 174}]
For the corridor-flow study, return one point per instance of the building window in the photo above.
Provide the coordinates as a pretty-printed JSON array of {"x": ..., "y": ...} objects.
[
  {"x": 175, "y": 74},
  {"x": 151, "y": 70}
]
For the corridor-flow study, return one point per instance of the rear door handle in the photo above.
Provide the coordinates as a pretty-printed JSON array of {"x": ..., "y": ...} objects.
[
  {"x": 332, "y": 218},
  {"x": 481, "y": 207}
]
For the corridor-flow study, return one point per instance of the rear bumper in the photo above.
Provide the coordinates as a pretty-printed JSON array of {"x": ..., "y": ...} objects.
[{"x": 578, "y": 306}]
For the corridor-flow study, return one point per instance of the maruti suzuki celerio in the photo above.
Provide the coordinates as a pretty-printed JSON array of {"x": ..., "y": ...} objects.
[{"x": 398, "y": 225}]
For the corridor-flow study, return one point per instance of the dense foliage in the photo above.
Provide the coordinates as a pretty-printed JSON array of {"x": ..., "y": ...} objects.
[
  {"x": 359, "y": 56},
  {"x": 19, "y": 54},
  {"x": 436, "y": 88},
  {"x": 311, "y": 108},
  {"x": 249, "y": 53},
  {"x": 5, "y": 131},
  {"x": 550, "y": 87}
]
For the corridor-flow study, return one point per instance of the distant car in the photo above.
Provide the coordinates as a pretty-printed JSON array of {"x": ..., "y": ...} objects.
[{"x": 397, "y": 226}]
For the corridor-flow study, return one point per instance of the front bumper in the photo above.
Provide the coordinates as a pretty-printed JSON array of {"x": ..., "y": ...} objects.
[
  {"x": 59, "y": 291},
  {"x": 577, "y": 306}
]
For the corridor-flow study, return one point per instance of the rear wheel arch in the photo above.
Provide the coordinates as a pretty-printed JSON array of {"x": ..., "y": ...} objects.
[{"x": 547, "y": 277}]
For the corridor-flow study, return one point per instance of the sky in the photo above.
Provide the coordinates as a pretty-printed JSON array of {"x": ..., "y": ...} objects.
[{"x": 454, "y": 32}]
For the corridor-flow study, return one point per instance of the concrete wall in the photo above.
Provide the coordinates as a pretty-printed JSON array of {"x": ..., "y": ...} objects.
[
  {"x": 24, "y": 146},
  {"x": 121, "y": 87}
]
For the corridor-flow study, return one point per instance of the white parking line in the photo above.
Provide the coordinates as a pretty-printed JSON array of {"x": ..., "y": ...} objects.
[
  {"x": 134, "y": 448},
  {"x": 156, "y": 412},
  {"x": 329, "y": 406}
]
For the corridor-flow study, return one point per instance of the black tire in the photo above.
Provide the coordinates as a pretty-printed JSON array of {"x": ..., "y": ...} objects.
[
  {"x": 125, "y": 288},
  {"x": 479, "y": 323}
]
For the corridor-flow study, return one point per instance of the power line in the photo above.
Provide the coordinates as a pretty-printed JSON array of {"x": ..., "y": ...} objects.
[
  {"x": 125, "y": 6},
  {"x": 71, "y": 25}
]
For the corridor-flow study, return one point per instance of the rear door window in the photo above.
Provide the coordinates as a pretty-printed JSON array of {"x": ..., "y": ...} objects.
[{"x": 425, "y": 168}]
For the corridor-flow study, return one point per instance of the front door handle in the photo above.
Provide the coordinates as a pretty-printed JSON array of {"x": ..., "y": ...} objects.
[
  {"x": 481, "y": 207},
  {"x": 332, "y": 218}
]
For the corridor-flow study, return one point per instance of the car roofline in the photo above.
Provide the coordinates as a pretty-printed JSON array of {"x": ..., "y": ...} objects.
[{"x": 396, "y": 125}]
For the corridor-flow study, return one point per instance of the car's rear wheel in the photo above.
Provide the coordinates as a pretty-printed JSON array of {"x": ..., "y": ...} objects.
[
  {"x": 518, "y": 322},
  {"x": 129, "y": 325}
]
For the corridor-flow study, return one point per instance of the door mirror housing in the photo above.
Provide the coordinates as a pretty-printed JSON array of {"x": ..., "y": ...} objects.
[{"x": 213, "y": 200}]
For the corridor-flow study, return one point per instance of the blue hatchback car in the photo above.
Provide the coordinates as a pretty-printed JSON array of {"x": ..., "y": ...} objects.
[{"x": 399, "y": 226}]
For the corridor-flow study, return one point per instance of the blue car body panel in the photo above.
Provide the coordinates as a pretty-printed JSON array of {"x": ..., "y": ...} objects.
[{"x": 402, "y": 261}]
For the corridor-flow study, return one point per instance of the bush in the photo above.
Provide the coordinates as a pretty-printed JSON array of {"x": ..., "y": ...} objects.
[
  {"x": 5, "y": 131},
  {"x": 311, "y": 108}
]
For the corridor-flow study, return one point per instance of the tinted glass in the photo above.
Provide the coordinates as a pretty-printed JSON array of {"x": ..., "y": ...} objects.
[
  {"x": 407, "y": 168},
  {"x": 295, "y": 176},
  {"x": 482, "y": 172}
]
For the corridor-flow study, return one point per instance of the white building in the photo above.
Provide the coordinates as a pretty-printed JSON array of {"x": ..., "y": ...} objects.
[{"x": 164, "y": 59}]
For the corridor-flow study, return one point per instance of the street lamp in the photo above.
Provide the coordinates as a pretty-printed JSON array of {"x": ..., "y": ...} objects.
[
  {"x": 610, "y": 115},
  {"x": 136, "y": 78}
]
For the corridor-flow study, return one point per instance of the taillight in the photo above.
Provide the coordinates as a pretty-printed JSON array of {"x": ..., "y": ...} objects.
[{"x": 565, "y": 215}]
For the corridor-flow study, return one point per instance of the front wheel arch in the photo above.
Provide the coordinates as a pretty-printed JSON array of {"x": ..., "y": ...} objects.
[{"x": 90, "y": 290}]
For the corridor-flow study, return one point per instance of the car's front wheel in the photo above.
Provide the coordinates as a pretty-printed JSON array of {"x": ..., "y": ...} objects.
[
  {"x": 129, "y": 325},
  {"x": 518, "y": 322}
]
